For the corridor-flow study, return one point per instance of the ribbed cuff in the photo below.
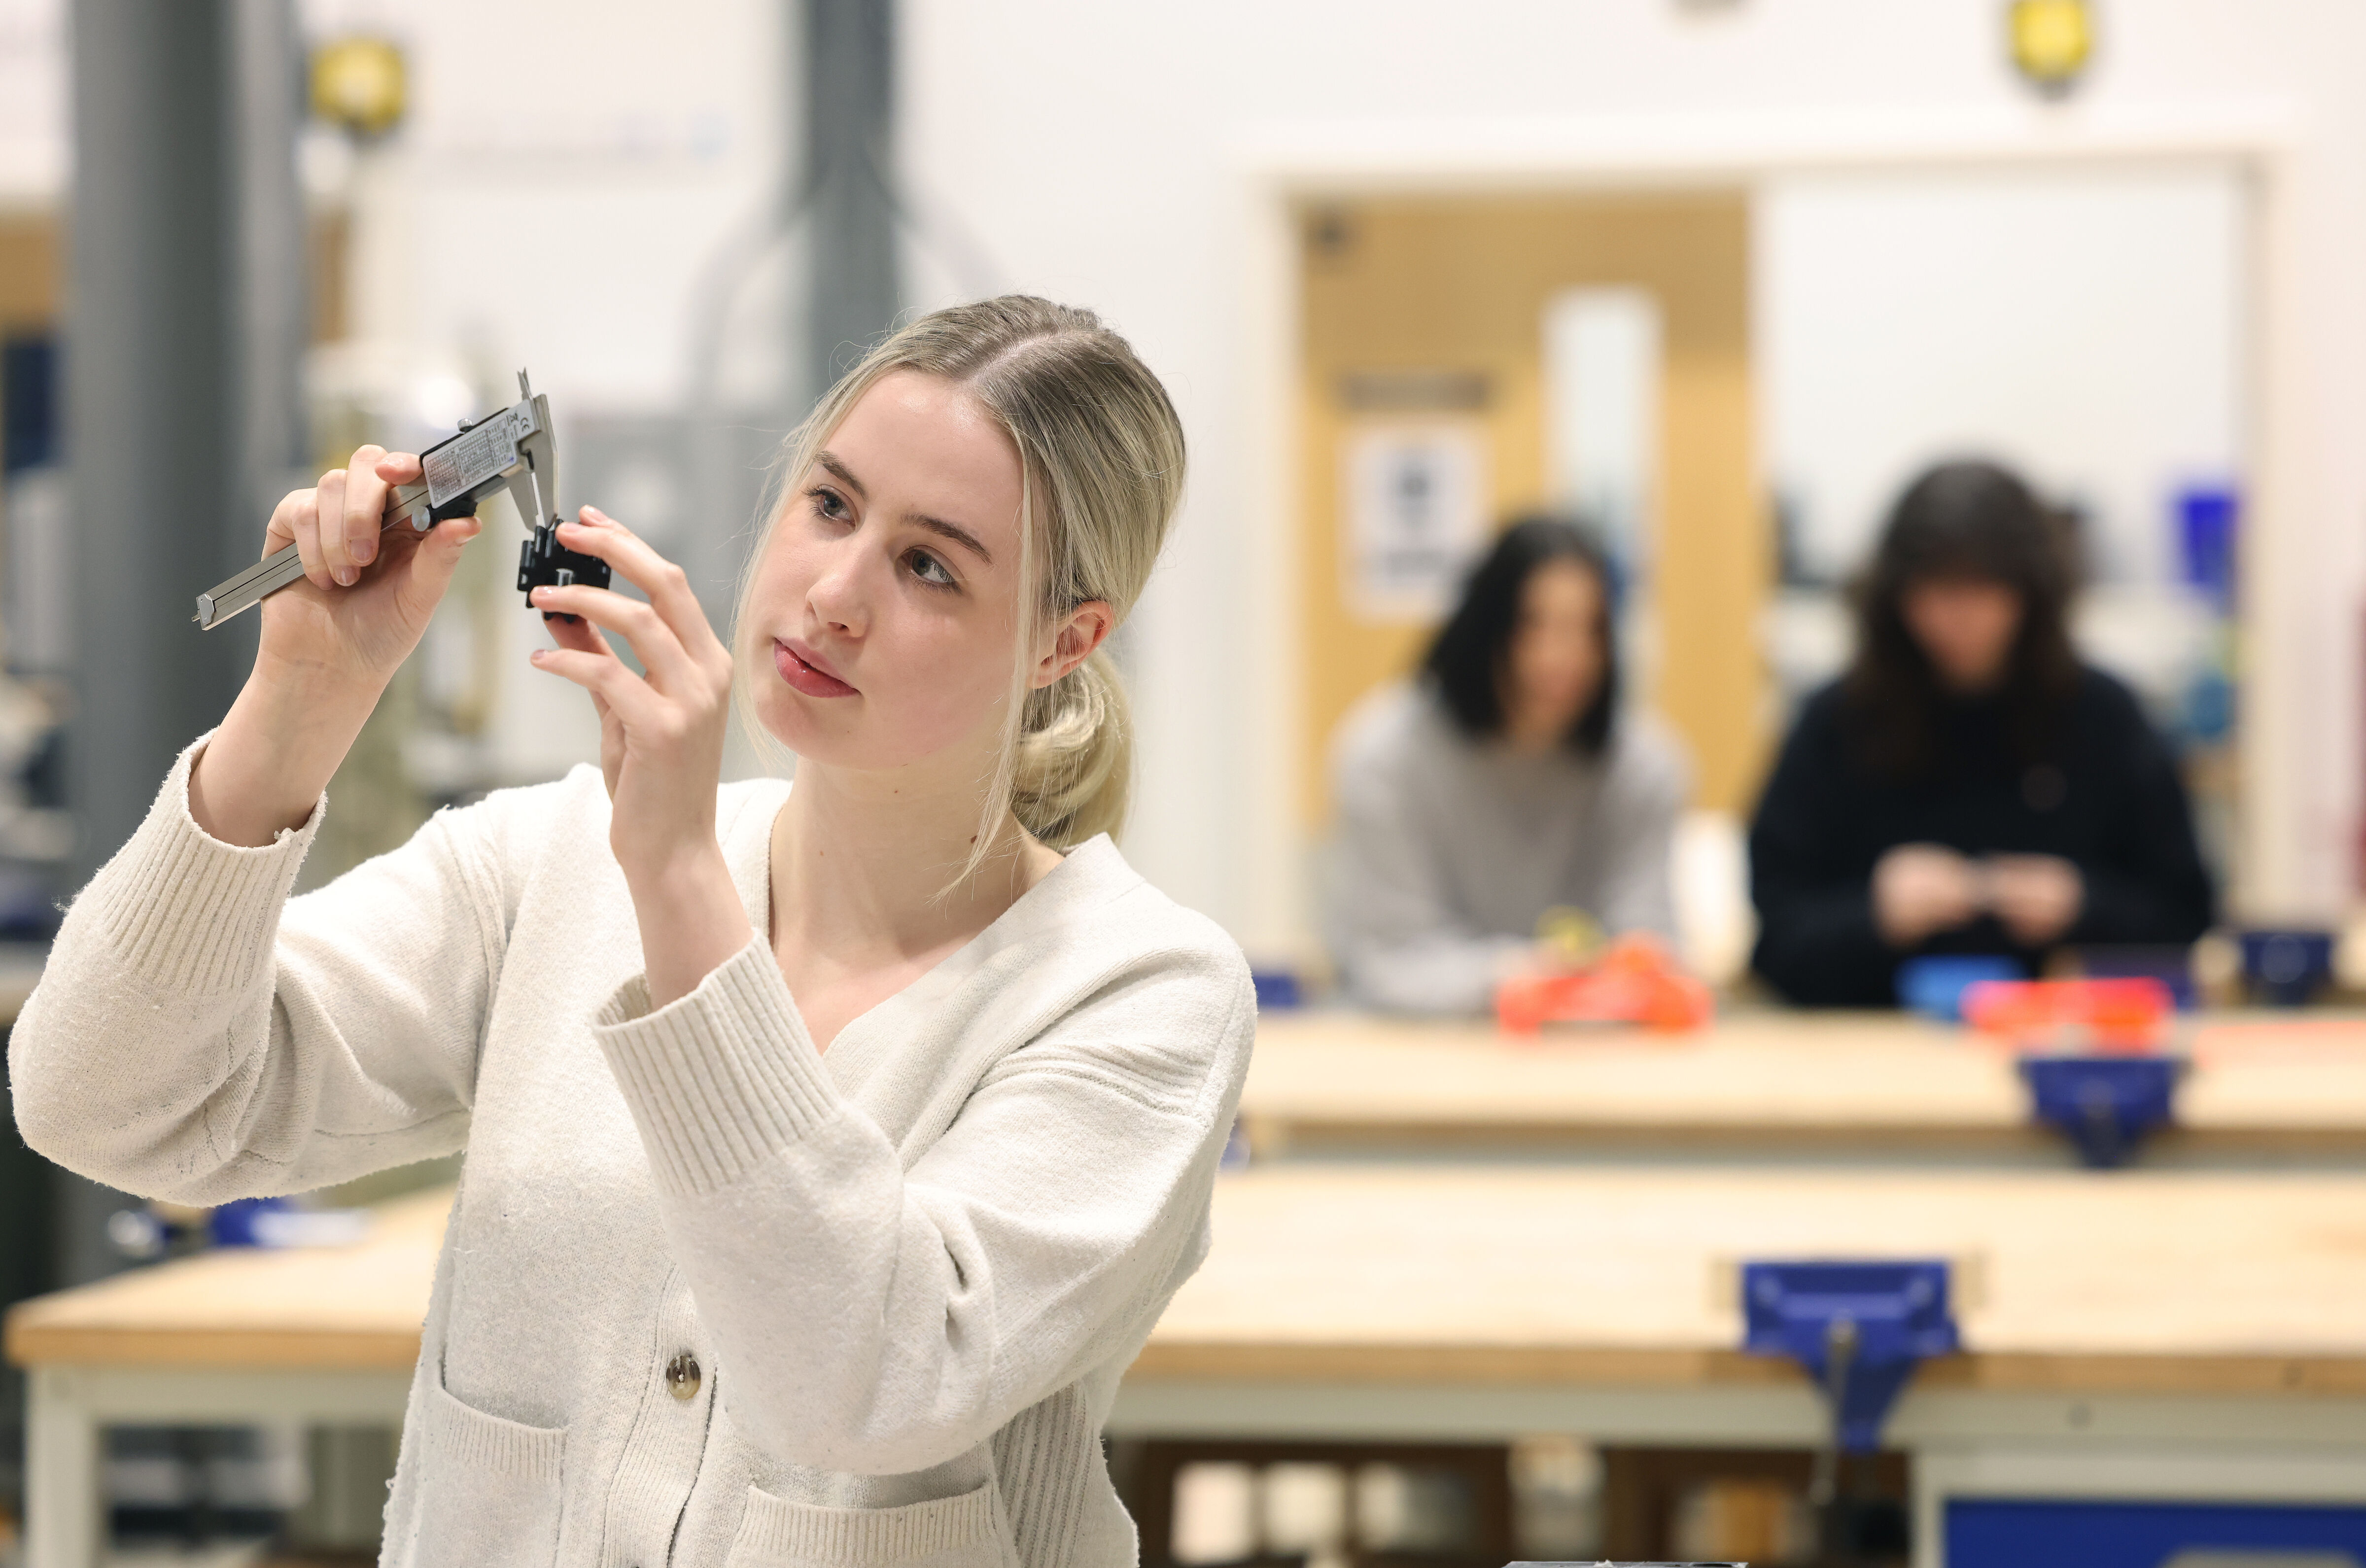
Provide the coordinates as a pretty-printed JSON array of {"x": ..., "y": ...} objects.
[
  {"x": 719, "y": 1079},
  {"x": 188, "y": 912}
]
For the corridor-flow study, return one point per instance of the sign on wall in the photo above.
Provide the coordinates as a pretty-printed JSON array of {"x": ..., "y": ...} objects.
[{"x": 1417, "y": 495}]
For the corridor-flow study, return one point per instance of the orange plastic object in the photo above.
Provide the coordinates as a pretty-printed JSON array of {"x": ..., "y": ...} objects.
[
  {"x": 1634, "y": 982},
  {"x": 2111, "y": 1015}
]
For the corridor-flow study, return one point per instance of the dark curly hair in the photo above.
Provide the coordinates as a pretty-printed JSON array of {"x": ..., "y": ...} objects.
[
  {"x": 1466, "y": 663},
  {"x": 1958, "y": 519}
]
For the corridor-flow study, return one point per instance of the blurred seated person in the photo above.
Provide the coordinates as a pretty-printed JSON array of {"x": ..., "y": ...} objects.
[
  {"x": 1968, "y": 786},
  {"x": 1503, "y": 783}
]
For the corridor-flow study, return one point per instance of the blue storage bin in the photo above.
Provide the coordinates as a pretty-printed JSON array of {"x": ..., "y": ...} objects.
[
  {"x": 1934, "y": 986},
  {"x": 2007, "y": 1532}
]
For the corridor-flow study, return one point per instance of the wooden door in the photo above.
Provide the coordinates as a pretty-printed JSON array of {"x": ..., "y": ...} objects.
[{"x": 1432, "y": 309}]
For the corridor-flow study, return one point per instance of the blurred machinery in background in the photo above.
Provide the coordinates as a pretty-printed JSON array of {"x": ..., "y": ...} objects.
[
  {"x": 183, "y": 420},
  {"x": 36, "y": 833},
  {"x": 140, "y": 439}
]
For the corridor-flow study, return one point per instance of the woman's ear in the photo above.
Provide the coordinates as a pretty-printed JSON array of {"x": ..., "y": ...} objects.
[{"x": 1074, "y": 640}]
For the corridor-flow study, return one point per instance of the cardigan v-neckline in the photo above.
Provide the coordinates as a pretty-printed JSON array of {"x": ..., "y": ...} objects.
[{"x": 749, "y": 852}]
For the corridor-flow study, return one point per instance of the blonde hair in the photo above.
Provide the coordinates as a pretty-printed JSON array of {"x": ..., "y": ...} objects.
[{"x": 1101, "y": 470}]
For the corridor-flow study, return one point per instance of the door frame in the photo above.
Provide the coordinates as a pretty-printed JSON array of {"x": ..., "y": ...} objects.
[{"x": 1276, "y": 168}]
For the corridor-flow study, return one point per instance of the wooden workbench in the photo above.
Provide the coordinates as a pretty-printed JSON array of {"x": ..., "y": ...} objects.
[
  {"x": 1524, "y": 1275},
  {"x": 2262, "y": 1088},
  {"x": 2199, "y": 1332},
  {"x": 2156, "y": 1338},
  {"x": 345, "y": 1308},
  {"x": 324, "y": 1335},
  {"x": 2199, "y": 1283}
]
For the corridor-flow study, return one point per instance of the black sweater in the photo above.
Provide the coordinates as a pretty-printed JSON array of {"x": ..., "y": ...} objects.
[{"x": 2110, "y": 802}]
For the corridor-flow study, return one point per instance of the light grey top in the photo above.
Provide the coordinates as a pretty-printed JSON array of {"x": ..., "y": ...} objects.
[
  {"x": 909, "y": 1272},
  {"x": 1447, "y": 851}
]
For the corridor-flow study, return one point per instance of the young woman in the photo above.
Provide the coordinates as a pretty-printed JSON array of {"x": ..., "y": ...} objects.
[
  {"x": 1503, "y": 783},
  {"x": 829, "y": 1150},
  {"x": 1968, "y": 785}
]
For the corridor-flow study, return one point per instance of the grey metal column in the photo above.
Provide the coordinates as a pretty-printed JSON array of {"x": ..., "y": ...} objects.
[
  {"x": 264, "y": 96},
  {"x": 850, "y": 150},
  {"x": 184, "y": 320}
]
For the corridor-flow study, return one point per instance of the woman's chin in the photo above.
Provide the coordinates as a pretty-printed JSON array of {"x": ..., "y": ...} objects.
[
  {"x": 837, "y": 734},
  {"x": 811, "y": 735},
  {"x": 792, "y": 724}
]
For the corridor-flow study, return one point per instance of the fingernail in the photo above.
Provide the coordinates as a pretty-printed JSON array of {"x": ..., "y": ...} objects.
[
  {"x": 596, "y": 515},
  {"x": 363, "y": 548},
  {"x": 344, "y": 575}
]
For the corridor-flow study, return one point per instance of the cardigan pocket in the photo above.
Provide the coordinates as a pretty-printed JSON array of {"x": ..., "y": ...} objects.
[
  {"x": 489, "y": 1490},
  {"x": 966, "y": 1531}
]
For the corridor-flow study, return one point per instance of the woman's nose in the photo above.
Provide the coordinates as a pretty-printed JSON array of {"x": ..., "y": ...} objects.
[{"x": 838, "y": 595}]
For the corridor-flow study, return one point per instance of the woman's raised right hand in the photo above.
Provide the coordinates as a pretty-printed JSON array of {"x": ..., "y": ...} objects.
[
  {"x": 330, "y": 645},
  {"x": 366, "y": 595}
]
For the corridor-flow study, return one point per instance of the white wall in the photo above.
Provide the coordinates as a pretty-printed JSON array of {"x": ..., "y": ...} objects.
[
  {"x": 2085, "y": 326},
  {"x": 1102, "y": 152},
  {"x": 32, "y": 100},
  {"x": 568, "y": 170}
]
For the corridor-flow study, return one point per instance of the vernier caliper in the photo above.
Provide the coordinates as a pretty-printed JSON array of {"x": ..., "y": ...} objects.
[{"x": 514, "y": 449}]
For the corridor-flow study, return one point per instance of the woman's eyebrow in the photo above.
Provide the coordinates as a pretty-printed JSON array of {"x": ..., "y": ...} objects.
[
  {"x": 837, "y": 467},
  {"x": 957, "y": 533},
  {"x": 840, "y": 471}
]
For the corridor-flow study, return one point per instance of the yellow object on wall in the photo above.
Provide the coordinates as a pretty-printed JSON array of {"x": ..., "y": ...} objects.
[
  {"x": 2051, "y": 41},
  {"x": 359, "y": 83}
]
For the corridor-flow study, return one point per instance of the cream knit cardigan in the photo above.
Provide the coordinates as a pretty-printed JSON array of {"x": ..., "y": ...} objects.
[{"x": 909, "y": 1272}]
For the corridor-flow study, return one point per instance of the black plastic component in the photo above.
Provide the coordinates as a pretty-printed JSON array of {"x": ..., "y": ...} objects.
[{"x": 543, "y": 562}]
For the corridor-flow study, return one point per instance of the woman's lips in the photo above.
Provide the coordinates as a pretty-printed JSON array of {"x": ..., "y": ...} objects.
[{"x": 801, "y": 667}]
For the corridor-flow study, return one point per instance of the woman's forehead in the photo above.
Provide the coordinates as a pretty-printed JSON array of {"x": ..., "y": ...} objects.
[
  {"x": 1562, "y": 578},
  {"x": 911, "y": 433}
]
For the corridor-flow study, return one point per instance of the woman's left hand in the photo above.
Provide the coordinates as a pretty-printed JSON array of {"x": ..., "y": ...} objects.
[
  {"x": 2037, "y": 898},
  {"x": 660, "y": 746}
]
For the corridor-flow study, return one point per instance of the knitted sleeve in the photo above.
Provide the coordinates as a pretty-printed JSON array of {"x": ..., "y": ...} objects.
[
  {"x": 198, "y": 1036},
  {"x": 878, "y": 1320}
]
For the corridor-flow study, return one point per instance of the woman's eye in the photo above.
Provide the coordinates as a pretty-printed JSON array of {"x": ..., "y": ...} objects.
[
  {"x": 830, "y": 505},
  {"x": 929, "y": 569}
]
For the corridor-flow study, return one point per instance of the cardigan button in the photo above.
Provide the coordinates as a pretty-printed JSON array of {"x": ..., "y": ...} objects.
[{"x": 681, "y": 1376}]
